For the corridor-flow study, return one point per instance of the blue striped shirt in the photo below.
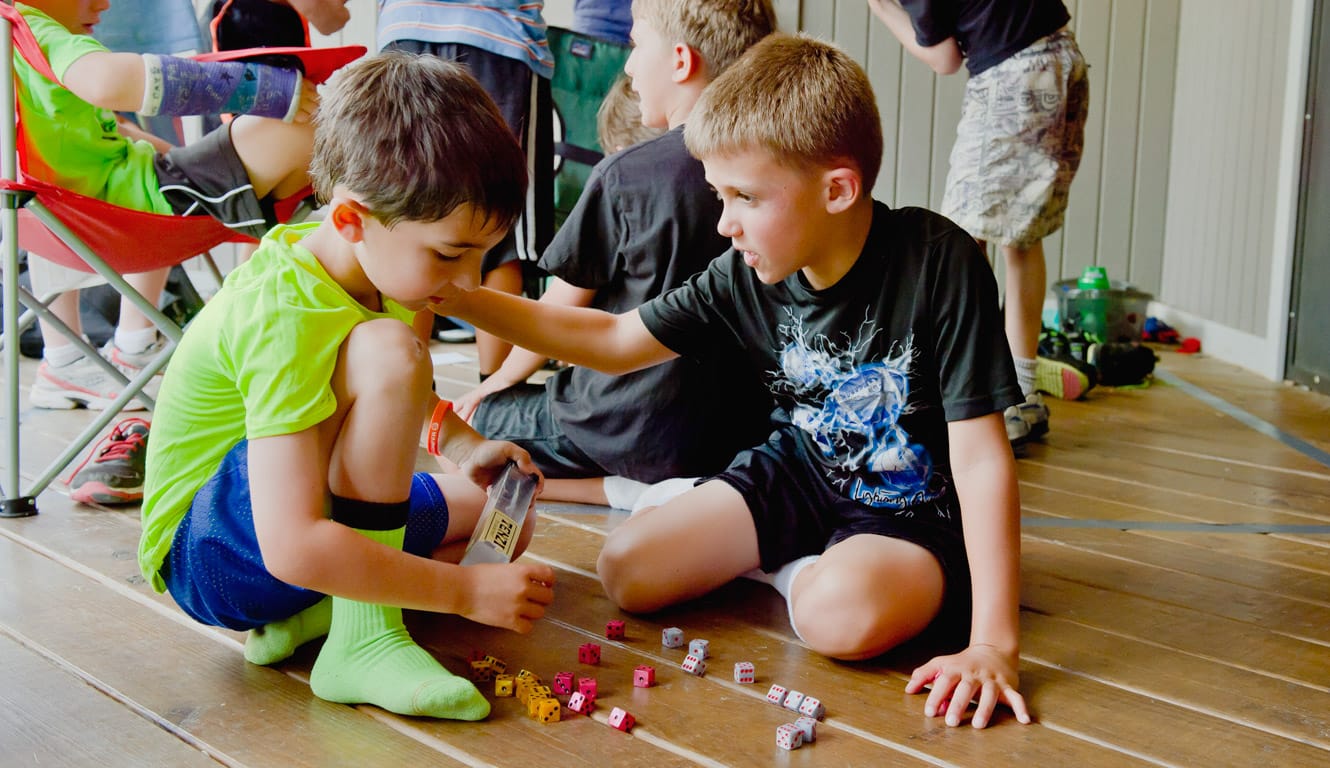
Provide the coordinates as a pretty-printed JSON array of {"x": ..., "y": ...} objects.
[{"x": 514, "y": 29}]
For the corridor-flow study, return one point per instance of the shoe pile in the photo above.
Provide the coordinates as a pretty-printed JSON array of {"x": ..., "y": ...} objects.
[
  {"x": 1026, "y": 421},
  {"x": 1064, "y": 367},
  {"x": 113, "y": 471}
]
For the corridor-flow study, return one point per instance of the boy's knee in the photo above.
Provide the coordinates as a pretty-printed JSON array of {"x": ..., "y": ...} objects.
[
  {"x": 840, "y": 616},
  {"x": 620, "y": 567},
  {"x": 388, "y": 354}
]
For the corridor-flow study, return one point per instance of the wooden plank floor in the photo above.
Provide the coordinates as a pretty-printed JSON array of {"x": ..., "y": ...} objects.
[{"x": 1175, "y": 612}]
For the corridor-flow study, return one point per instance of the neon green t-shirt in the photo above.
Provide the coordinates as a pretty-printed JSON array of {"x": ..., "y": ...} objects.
[
  {"x": 70, "y": 142},
  {"x": 257, "y": 361}
]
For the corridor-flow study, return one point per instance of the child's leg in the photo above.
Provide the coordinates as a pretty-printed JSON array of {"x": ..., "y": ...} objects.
[
  {"x": 683, "y": 549},
  {"x": 1025, "y": 289},
  {"x": 382, "y": 382},
  {"x": 275, "y": 154},
  {"x": 865, "y": 595}
]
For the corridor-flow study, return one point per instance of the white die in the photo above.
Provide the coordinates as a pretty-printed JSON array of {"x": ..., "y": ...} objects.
[
  {"x": 776, "y": 695},
  {"x": 672, "y": 637},
  {"x": 807, "y": 726},
  {"x": 744, "y": 672},
  {"x": 699, "y": 648},
  {"x": 792, "y": 701},
  {"x": 812, "y": 708},
  {"x": 788, "y": 736},
  {"x": 694, "y": 665}
]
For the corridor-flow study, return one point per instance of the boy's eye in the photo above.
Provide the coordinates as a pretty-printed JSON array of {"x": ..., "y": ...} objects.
[{"x": 440, "y": 255}]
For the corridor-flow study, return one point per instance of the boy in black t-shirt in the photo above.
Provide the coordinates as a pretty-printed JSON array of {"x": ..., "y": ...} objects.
[
  {"x": 644, "y": 224},
  {"x": 876, "y": 331}
]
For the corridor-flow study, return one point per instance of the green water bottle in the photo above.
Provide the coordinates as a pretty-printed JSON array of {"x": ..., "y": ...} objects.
[{"x": 1093, "y": 302}]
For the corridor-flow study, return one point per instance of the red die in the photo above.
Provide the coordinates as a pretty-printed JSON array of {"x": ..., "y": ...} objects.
[
  {"x": 563, "y": 683},
  {"x": 614, "y": 630},
  {"x": 621, "y": 720},
  {"x": 644, "y": 676},
  {"x": 587, "y": 687},
  {"x": 589, "y": 654}
]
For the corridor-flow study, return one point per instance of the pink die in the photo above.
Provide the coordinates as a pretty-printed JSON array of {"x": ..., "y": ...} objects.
[
  {"x": 789, "y": 736},
  {"x": 776, "y": 695},
  {"x": 589, "y": 654},
  {"x": 563, "y": 683},
  {"x": 621, "y": 720},
  {"x": 614, "y": 630},
  {"x": 644, "y": 676},
  {"x": 744, "y": 672},
  {"x": 580, "y": 704},
  {"x": 587, "y": 687}
]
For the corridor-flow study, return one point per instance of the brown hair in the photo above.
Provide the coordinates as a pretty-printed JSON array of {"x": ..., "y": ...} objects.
[
  {"x": 619, "y": 119},
  {"x": 415, "y": 137},
  {"x": 803, "y": 100}
]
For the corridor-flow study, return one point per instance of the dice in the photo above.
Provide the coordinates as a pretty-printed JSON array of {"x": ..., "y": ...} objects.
[
  {"x": 644, "y": 676},
  {"x": 788, "y": 736},
  {"x": 589, "y": 653},
  {"x": 498, "y": 665},
  {"x": 580, "y": 704},
  {"x": 503, "y": 685},
  {"x": 614, "y": 630},
  {"x": 547, "y": 711},
  {"x": 808, "y": 727},
  {"x": 792, "y": 701},
  {"x": 812, "y": 708},
  {"x": 699, "y": 648},
  {"x": 621, "y": 720},
  {"x": 587, "y": 687},
  {"x": 482, "y": 671},
  {"x": 776, "y": 695},
  {"x": 694, "y": 666},
  {"x": 671, "y": 637},
  {"x": 744, "y": 672},
  {"x": 563, "y": 683}
]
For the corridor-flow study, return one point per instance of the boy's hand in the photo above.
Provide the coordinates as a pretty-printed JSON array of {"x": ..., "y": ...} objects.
[
  {"x": 956, "y": 679},
  {"x": 466, "y": 405},
  {"x": 309, "y": 102},
  {"x": 508, "y": 595},
  {"x": 487, "y": 459}
]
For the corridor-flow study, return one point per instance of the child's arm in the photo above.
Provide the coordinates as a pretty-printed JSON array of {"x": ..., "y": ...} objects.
[
  {"x": 522, "y": 363},
  {"x": 614, "y": 344},
  {"x": 327, "y": 16},
  {"x": 985, "y": 475},
  {"x": 302, "y": 546},
  {"x": 169, "y": 85},
  {"x": 944, "y": 58}
]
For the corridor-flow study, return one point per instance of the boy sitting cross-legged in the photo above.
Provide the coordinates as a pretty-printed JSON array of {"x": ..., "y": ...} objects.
[
  {"x": 878, "y": 333},
  {"x": 287, "y": 427}
]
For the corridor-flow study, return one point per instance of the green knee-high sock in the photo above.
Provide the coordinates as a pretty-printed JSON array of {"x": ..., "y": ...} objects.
[
  {"x": 369, "y": 658},
  {"x": 275, "y": 642}
]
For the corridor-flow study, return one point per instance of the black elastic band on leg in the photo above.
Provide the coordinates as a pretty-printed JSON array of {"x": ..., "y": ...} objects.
[{"x": 370, "y": 515}]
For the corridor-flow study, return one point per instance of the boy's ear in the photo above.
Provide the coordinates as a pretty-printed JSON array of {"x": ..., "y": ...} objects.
[
  {"x": 843, "y": 187},
  {"x": 687, "y": 63},
  {"x": 348, "y": 218}
]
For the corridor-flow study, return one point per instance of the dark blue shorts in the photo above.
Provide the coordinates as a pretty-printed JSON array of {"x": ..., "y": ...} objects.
[
  {"x": 214, "y": 569},
  {"x": 796, "y": 513}
]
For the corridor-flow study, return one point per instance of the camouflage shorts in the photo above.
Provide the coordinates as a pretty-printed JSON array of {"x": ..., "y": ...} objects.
[{"x": 1019, "y": 144}]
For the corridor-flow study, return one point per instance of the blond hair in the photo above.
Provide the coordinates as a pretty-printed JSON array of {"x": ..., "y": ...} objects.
[
  {"x": 803, "y": 100},
  {"x": 619, "y": 119},
  {"x": 719, "y": 30},
  {"x": 415, "y": 137}
]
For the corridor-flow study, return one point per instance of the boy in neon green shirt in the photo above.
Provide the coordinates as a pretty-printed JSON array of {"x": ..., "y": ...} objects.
[{"x": 281, "y": 463}]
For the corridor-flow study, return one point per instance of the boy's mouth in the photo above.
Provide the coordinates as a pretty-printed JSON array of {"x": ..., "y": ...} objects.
[{"x": 750, "y": 258}]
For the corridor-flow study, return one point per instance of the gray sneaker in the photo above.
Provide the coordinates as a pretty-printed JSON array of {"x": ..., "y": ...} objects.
[
  {"x": 1026, "y": 421},
  {"x": 80, "y": 383},
  {"x": 130, "y": 363}
]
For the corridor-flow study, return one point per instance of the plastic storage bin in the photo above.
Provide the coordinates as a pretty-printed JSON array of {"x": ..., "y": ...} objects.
[{"x": 1115, "y": 314}]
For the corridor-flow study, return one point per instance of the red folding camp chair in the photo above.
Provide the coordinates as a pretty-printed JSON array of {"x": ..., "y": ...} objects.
[{"x": 90, "y": 235}]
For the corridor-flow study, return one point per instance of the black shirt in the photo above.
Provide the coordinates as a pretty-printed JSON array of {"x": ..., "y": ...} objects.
[
  {"x": 988, "y": 31},
  {"x": 644, "y": 223},
  {"x": 871, "y": 369}
]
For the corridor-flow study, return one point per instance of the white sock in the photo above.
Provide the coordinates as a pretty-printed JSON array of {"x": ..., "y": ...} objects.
[
  {"x": 623, "y": 493},
  {"x": 783, "y": 580},
  {"x": 134, "y": 342},
  {"x": 1025, "y": 370},
  {"x": 61, "y": 355},
  {"x": 661, "y": 492}
]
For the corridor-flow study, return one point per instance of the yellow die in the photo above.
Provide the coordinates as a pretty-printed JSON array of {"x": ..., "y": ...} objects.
[
  {"x": 503, "y": 685},
  {"x": 548, "y": 711},
  {"x": 481, "y": 671}
]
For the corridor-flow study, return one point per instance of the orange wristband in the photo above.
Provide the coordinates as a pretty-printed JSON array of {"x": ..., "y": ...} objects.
[{"x": 435, "y": 424}]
